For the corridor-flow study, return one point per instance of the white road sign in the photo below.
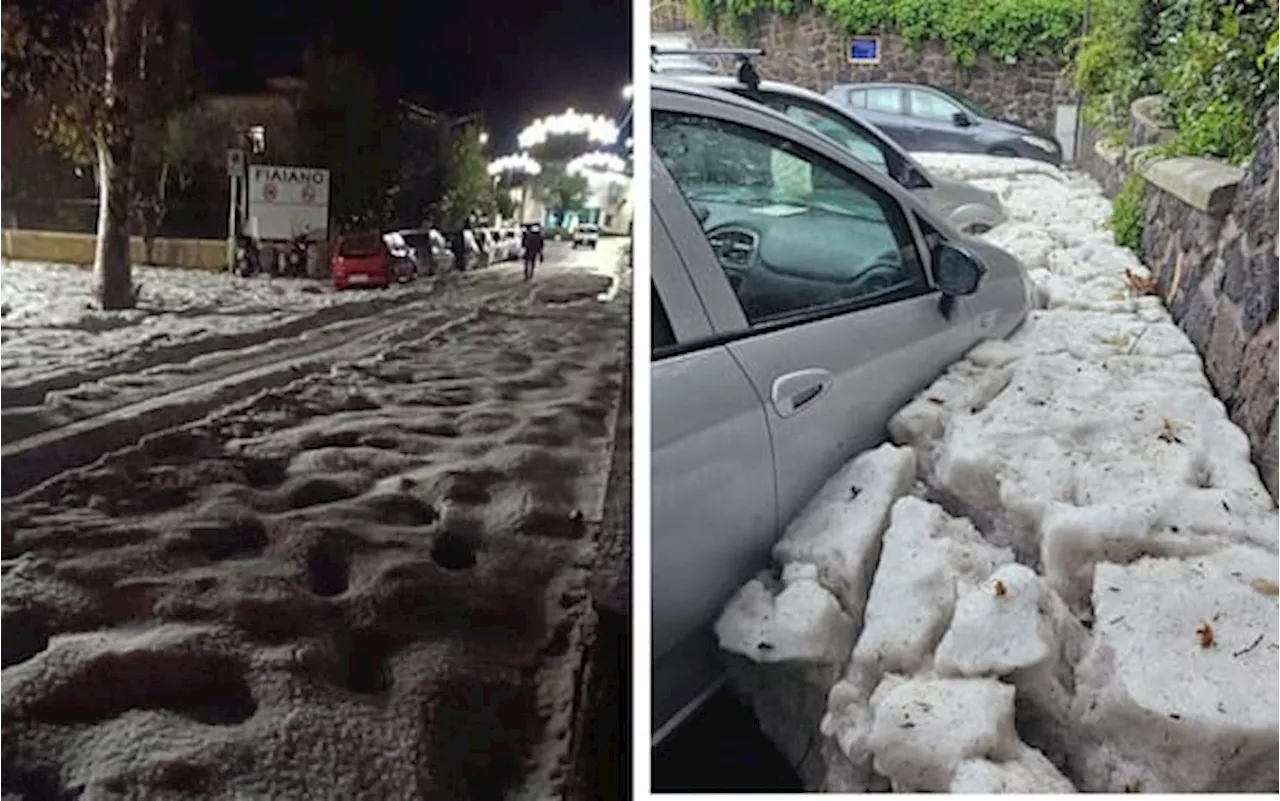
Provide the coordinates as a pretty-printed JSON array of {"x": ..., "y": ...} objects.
[{"x": 287, "y": 201}]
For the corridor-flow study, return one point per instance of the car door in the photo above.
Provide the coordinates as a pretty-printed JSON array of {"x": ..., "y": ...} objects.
[
  {"x": 824, "y": 300},
  {"x": 934, "y": 126},
  {"x": 712, "y": 478}
]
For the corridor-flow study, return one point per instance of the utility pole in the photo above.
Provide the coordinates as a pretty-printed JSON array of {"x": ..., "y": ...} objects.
[{"x": 1079, "y": 131}]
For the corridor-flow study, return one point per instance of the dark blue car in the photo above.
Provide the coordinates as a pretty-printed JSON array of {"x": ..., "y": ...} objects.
[{"x": 925, "y": 118}]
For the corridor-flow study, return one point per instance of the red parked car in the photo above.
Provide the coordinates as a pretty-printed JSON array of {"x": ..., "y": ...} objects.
[{"x": 362, "y": 259}]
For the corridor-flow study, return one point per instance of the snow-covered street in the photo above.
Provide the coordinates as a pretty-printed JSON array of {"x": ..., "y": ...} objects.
[
  {"x": 350, "y": 562},
  {"x": 52, "y": 338},
  {"x": 1060, "y": 574}
]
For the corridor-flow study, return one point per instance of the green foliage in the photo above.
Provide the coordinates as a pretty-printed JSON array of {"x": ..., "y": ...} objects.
[
  {"x": 1112, "y": 65},
  {"x": 469, "y": 191},
  {"x": 1214, "y": 61},
  {"x": 1217, "y": 82},
  {"x": 1126, "y": 212},
  {"x": 1003, "y": 28},
  {"x": 561, "y": 190}
]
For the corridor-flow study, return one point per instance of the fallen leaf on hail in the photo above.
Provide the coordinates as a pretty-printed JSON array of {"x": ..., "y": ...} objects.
[
  {"x": 1140, "y": 285},
  {"x": 1171, "y": 430},
  {"x": 1265, "y": 586},
  {"x": 1116, "y": 340}
]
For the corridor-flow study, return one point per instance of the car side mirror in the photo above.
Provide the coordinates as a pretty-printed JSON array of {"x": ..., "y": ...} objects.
[
  {"x": 956, "y": 271},
  {"x": 961, "y": 119}
]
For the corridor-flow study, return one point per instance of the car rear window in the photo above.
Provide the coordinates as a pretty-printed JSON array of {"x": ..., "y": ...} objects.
[{"x": 360, "y": 245}]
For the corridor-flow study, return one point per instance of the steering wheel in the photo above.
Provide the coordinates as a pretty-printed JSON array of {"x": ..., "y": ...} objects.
[
  {"x": 884, "y": 272},
  {"x": 735, "y": 258}
]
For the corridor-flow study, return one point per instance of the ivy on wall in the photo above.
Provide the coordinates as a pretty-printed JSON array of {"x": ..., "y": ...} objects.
[
  {"x": 1006, "y": 29},
  {"x": 1214, "y": 62}
]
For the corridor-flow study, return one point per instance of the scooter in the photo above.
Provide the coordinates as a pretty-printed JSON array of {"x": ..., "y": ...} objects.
[
  {"x": 248, "y": 261},
  {"x": 295, "y": 265}
]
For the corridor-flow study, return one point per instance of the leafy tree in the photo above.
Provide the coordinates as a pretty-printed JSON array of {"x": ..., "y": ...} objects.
[
  {"x": 561, "y": 190},
  {"x": 32, "y": 170},
  {"x": 343, "y": 126},
  {"x": 166, "y": 157},
  {"x": 105, "y": 77},
  {"x": 468, "y": 189}
]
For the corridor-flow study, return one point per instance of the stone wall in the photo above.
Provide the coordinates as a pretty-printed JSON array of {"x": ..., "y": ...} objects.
[
  {"x": 807, "y": 49},
  {"x": 1210, "y": 238},
  {"x": 1104, "y": 163},
  {"x": 1110, "y": 164}
]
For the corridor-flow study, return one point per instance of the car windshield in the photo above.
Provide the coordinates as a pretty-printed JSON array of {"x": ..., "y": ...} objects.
[
  {"x": 968, "y": 104},
  {"x": 359, "y": 245},
  {"x": 417, "y": 240}
]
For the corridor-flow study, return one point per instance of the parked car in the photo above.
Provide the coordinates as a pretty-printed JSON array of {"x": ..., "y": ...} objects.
[
  {"x": 969, "y": 208},
  {"x": 485, "y": 241},
  {"x": 426, "y": 249},
  {"x": 927, "y": 118},
  {"x": 586, "y": 235},
  {"x": 464, "y": 240},
  {"x": 515, "y": 248},
  {"x": 363, "y": 258},
  {"x": 403, "y": 264},
  {"x": 502, "y": 245},
  {"x": 800, "y": 298}
]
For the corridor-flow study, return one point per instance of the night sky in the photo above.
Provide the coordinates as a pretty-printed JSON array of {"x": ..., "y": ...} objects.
[{"x": 511, "y": 61}]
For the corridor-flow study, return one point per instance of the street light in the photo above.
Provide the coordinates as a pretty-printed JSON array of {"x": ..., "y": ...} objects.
[
  {"x": 257, "y": 139},
  {"x": 484, "y": 137},
  {"x": 627, "y": 92}
]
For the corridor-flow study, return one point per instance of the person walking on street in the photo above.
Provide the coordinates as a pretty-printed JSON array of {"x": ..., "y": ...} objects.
[{"x": 532, "y": 240}]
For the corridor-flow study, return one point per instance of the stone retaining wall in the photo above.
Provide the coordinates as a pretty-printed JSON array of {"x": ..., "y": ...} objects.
[
  {"x": 808, "y": 49},
  {"x": 1210, "y": 238},
  {"x": 65, "y": 248},
  {"x": 1104, "y": 163}
]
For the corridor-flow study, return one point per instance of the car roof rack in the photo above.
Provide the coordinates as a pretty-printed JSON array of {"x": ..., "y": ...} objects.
[{"x": 747, "y": 74}]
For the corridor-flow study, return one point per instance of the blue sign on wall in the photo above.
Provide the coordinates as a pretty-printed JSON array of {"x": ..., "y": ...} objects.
[{"x": 864, "y": 50}]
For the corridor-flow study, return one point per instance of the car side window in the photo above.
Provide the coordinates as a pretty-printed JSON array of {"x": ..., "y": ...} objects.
[
  {"x": 932, "y": 106},
  {"x": 838, "y": 129},
  {"x": 886, "y": 99},
  {"x": 664, "y": 336},
  {"x": 794, "y": 233},
  {"x": 857, "y": 98}
]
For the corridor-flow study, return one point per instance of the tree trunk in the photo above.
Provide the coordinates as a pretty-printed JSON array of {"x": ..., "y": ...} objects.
[{"x": 112, "y": 269}]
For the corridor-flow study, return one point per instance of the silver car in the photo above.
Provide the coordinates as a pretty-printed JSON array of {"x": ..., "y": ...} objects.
[
  {"x": 800, "y": 298},
  {"x": 969, "y": 209}
]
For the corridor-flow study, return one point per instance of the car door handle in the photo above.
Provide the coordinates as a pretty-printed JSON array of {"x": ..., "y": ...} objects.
[{"x": 794, "y": 391}]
